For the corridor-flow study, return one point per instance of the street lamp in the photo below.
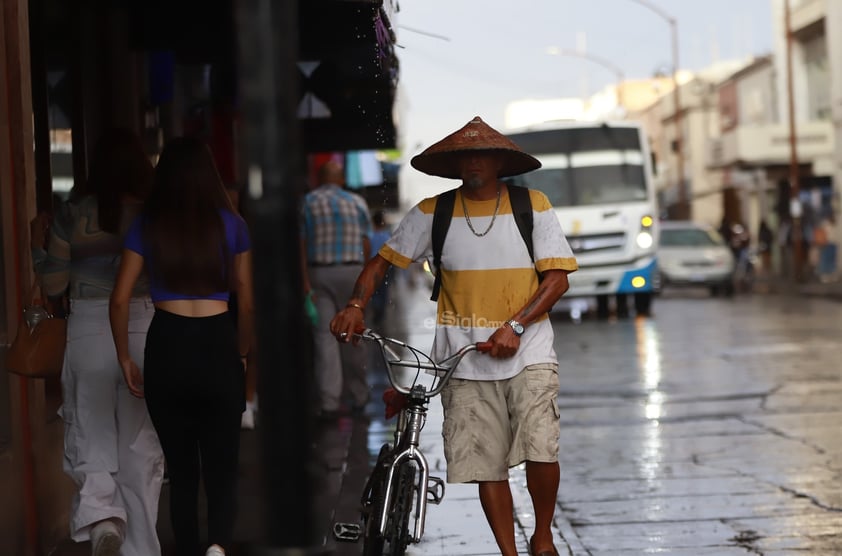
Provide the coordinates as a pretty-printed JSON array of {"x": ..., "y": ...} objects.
[
  {"x": 684, "y": 206},
  {"x": 598, "y": 60}
]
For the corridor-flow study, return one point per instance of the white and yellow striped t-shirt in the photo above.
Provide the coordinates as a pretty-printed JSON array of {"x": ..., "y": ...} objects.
[{"x": 485, "y": 280}]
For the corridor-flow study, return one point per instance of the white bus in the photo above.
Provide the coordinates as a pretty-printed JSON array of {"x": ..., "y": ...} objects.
[{"x": 598, "y": 176}]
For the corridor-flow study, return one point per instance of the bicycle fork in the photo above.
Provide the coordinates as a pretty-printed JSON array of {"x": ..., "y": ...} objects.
[{"x": 411, "y": 453}]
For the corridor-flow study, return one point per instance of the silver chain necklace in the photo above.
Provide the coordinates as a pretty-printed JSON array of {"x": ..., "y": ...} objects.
[{"x": 493, "y": 218}]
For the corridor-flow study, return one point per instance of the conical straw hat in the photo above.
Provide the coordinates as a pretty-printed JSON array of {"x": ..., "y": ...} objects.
[{"x": 442, "y": 158}]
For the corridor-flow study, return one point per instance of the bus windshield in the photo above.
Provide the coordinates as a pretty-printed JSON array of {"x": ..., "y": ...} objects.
[
  {"x": 586, "y": 166},
  {"x": 589, "y": 185},
  {"x": 598, "y": 178}
]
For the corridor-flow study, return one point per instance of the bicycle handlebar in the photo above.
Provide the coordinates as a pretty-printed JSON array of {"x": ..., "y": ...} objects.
[{"x": 421, "y": 361}]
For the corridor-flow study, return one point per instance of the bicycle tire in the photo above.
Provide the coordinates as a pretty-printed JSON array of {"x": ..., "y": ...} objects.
[
  {"x": 373, "y": 541},
  {"x": 397, "y": 527}
]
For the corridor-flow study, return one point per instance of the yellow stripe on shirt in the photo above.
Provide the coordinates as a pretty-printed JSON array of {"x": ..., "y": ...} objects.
[
  {"x": 394, "y": 257},
  {"x": 485, "y": 298},
  {"x": 557, "y": 263}
]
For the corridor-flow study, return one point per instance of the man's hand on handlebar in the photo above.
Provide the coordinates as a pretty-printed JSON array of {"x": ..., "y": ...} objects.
[
  {"x": 504, "y": 343},
  {"x": 347, "y": 322}
]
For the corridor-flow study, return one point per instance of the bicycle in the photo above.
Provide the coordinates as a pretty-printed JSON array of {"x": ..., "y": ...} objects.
[{"x": 400, "y": 480}]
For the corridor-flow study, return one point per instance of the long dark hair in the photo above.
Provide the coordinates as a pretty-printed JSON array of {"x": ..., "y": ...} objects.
[
  {"x": 183, "y": 226},
  {"x": 119, "y": 167}
]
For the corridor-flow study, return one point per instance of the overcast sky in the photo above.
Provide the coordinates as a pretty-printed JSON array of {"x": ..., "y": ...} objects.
[{"x": 496, "y": 51}]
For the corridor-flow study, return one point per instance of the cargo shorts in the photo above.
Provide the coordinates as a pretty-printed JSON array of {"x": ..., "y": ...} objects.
[{"x": 490, "y": 426}]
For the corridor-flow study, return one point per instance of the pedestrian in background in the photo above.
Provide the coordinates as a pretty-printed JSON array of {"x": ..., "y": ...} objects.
[
  {"x": 765, "y": 240},
  {"x": 111, "y": 450},
  {"x": 824, "y": 235},
  {"x": 499, "y": 411},
  {"x": 335, "y": 235},
  {"x": 196, "y": 251}
]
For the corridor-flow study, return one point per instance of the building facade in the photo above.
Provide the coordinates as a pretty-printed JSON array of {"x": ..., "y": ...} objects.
[{"x": 759, "y": 152}]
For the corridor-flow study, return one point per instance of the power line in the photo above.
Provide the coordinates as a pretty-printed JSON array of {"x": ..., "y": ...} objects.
[{"x": 425, "y": 33}]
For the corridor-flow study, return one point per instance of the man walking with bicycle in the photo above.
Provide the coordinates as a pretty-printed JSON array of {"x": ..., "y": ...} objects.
[{"x": 500, "y": 411}]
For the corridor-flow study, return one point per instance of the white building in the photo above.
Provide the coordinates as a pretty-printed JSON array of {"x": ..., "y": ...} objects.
[{"x": 699, "y": 123}]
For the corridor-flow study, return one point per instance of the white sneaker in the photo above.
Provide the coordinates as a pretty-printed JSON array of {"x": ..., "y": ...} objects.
[
  {"x": 247, "y": 419},
  {"x": 215, "y": 550},
  {"x": 106, "y": 539}
]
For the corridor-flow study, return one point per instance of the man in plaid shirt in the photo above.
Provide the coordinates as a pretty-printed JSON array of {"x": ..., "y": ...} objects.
[{"x": 335, "y": 231}]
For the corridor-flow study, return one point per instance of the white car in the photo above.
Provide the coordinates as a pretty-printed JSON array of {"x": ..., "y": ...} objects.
[{"x": 692, "y": 254}]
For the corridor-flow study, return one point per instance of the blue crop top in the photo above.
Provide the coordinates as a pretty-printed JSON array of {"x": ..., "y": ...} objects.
[{"x": 236, "y": 237}]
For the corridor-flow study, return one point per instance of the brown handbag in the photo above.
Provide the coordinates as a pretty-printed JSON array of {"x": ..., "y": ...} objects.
[{"x": 38, "y": 351}]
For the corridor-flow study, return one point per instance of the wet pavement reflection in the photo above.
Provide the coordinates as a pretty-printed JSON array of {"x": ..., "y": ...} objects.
[{"x": 711, "y": 428}]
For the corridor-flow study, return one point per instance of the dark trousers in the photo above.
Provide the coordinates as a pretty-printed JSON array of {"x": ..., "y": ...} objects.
[{"x": 195, "y": 391}]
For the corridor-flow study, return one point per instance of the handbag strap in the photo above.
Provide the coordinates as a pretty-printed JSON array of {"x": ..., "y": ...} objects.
[{"x": 37, "y": 295}]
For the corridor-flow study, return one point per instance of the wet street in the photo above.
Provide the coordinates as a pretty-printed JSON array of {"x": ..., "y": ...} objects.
[{"x": 712, "y": 428}]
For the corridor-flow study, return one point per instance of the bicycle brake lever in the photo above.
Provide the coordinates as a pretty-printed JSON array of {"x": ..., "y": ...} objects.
[{"x": 359, "y": 332}]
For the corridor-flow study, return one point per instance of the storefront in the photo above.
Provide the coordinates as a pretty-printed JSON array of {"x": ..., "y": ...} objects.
[{"x": 164, "y": 69}]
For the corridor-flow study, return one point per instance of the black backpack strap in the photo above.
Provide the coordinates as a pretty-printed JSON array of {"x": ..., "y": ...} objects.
[
  {"x": 522, "y": 213},
  {"x": 442, "y": 216}
]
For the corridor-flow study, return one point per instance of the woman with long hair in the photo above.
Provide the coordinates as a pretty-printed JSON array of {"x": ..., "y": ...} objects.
[
  {"x": 195, "y": 250},
  {"x": 111, "y": 450}
]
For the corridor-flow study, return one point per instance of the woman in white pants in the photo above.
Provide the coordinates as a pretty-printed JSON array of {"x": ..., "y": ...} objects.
[{"x": 111, "y": 450}]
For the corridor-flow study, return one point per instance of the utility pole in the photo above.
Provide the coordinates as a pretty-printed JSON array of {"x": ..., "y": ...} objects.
[
  {"x": 683, "y": 209},
  {"x": 794, "y": 182}
]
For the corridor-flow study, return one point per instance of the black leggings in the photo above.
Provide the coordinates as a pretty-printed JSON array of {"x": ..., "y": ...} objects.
[{"x": 195, "y": 391}]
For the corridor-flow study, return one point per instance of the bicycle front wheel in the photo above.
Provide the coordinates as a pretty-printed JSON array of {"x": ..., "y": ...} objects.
[
  {"x": 397, "y": 536},
  {"x": 397, "y": 525},
  {"x": 373, "y": 541}
]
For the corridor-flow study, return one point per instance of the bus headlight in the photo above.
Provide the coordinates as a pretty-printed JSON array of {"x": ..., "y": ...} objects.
[
  {"x": 645, "y": 240},
  {"x": 638, "y": 282}
]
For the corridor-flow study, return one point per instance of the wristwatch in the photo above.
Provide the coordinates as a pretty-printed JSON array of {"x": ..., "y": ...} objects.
[{"x": 516, "y": 327}]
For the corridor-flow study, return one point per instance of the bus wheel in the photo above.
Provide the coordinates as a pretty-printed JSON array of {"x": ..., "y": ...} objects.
[
  {"x": 643, "y": 304},
  {"x": 622, "y": 306},
  {"x": 602, "y": 307}
]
